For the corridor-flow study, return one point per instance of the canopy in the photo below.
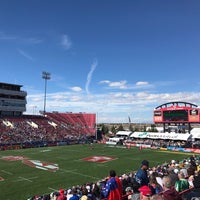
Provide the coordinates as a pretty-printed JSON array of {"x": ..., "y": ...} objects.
[
  {"x": 123, "y": 133},
  {"x": 164, "y": 136}
]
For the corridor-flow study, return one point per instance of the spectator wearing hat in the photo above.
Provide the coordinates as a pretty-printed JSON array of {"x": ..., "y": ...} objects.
[
  {"x": 195, "y": 192},
  {"x": 145, "y": 192},
  {"x": 169, "y": 192},
  {"x": 113, "y": 188},
  {"x": 61, "y": 195},
  {"x": 141, "y": 175}
]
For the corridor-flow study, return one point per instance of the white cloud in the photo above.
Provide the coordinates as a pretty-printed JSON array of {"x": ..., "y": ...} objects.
[
  {"x": 117, "y": 84},
  {"x": 141, "y": 83},
  {"x": 120, "y": 84},
  {"x": 25, "y": 54},
  {"x": 75, "y": 98},
  {"x": 104, "y": 81},
  {"x": 76, "y": 89},
  {"x": 111, "y": 106},
  {"x": 66, "y": 42},
  {"x": 89, "y": 76}
]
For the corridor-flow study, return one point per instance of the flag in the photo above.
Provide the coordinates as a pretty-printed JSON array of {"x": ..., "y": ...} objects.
[{"x": 129, "y": 119}]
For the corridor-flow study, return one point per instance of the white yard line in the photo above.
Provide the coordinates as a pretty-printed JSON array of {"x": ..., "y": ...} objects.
[
  {"x": 52, "y": 189},
  {"x": 77, "y": 173},
  {"x": 25, "y": 179},
  {"x": 6, "y": 172}
]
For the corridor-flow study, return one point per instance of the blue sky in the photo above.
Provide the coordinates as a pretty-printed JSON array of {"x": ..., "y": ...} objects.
[{"x": 116, "y": 58}]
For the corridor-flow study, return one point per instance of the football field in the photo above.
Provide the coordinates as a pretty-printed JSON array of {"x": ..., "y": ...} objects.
[{"x": 28, "y": 172}]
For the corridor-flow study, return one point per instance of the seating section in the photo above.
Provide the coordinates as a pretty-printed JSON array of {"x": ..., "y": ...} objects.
[{"x": 51, "y": 127}]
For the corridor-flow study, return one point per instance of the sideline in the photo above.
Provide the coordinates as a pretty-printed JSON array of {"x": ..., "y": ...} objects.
[{"x": 176, "y": 152}]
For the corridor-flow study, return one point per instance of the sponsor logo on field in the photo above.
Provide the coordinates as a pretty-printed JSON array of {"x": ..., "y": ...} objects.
[
  {"x": 99, "y": 159},
  {"x": 41, "y": 165},
  {"x": 13, "y": 158}
]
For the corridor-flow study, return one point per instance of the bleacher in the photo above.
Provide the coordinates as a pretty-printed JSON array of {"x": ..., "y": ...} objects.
[{"x": 53, "y": 127}]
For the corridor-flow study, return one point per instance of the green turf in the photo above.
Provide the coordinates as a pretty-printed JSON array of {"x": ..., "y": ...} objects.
[{"x": 72, "y": 169}]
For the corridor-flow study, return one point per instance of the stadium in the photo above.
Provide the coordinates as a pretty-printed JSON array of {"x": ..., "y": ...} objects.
[{"x": 42, "y": 154}]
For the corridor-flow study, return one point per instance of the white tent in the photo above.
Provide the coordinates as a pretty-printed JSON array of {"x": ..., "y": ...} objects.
[
  {"x": 123, "y": 133},
  {"x": 164, "y": 136},
  {"x": 195, "y": 133}
]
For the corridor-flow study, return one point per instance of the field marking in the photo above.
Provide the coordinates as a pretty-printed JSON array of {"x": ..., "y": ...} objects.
[
  {"x": 77, "y": 173},
  {"x": 25, "y": 179},
  {"x": 6, "y": 172},
  {"x": 62, "y": 171},
  {"x": 52, "y": 189}
]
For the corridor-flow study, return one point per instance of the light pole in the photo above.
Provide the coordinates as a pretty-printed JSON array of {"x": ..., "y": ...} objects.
[{"x": 46, "y": 76}]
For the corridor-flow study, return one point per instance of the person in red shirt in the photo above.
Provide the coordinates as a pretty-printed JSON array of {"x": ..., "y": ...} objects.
[{"x": 62, "y": 195}]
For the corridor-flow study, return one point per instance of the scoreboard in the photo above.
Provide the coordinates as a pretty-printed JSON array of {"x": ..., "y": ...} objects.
[{"x": 172, "y": 112}]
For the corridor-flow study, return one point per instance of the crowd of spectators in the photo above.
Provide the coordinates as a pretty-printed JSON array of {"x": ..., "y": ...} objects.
[
  {"x": 174, "y": 180},
  {"x": 36, "y": 130}
]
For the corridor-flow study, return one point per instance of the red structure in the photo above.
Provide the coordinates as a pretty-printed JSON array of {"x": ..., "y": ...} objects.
[{"x": 180, "y": 114}]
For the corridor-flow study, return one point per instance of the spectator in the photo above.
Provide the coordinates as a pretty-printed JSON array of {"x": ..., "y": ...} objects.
[
  {"x": 195, "y": 192},
  {"x": 113, "y": 188},
  {"x": 182, "y": 183},
  {"x": 136, "y": 192},
  {"x": 157, "y": 197},
  {"x": 84, "y": 194},
  {"x": 154, "y": 185},
  {"x": 169, "y": 193},
  {"x": 61, "y": 195},
  {"x": 141, "y": 175},
  {"x": 69, "y": 193},
  {"x": 75, "y": 196},
  {"x": 145, "y": 192}
]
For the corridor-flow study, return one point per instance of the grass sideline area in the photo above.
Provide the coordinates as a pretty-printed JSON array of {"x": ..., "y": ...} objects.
[{"x": 38, "y": 174}]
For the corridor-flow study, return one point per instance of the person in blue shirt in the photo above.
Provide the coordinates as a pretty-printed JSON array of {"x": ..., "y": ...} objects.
[
  {"x": 141, "y": 175},
  {"x": 75, "y": 196}
]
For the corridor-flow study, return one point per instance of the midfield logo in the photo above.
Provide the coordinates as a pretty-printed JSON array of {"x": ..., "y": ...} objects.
[{"x": 99, "y": 159}]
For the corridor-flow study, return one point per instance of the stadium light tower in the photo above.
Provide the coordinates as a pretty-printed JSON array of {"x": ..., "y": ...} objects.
[{"x": 46, "y": 76}]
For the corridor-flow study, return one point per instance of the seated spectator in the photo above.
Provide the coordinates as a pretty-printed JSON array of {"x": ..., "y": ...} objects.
[
  {"x": 75, "y": 196},
  {"x": 135, "y": 190},
  {"x": 84, "y": 194},
  {"x": 61, "y": 195},
  {"x": 190, "y": 181},
  {"x": 157, "y": 197},
  {"x": 69, "y": 193},
  {"x": 173, "y": 176},
  {"x": 169, "y": 193},
  {"x": 154, "y": 185},
  {"x": 145, "y": 192},
  {"x": 182, "y": 183},
  {"x": 195, "y": 192}
]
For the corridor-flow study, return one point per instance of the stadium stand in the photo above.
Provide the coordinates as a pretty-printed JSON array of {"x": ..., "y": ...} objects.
[
  {"x": 130, "y": 187},
  {"x": 52, "y": 129}
]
